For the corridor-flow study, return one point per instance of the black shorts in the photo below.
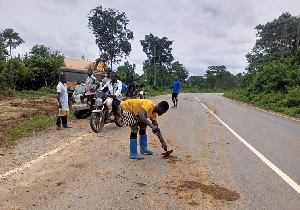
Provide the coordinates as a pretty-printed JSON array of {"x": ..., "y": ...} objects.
[{"x": 174, "y": 96}]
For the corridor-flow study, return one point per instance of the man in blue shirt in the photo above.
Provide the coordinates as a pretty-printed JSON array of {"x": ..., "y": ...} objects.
[
  {"x": 176, "y": 88},
  {"x": 124, "y": 86}
]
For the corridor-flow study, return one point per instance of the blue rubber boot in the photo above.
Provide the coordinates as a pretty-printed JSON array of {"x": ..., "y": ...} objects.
[
  {"x": 133, "y": 150},
  {"x": 143, "y": 145}
]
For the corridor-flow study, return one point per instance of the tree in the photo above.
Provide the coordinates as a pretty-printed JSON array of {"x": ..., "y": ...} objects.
[
  {"x": 125, "y": 71},
  {"x": 40, "y": 50},
  {"x": 44, "y": 66},
  {"x": 112, "y": 35},
  {"x": 277, "y": 76},
  {"x": 277, "y": 39},
  {"x": 179, "y": 70},
  {"x": 11, "y": 39},
  {"x": 195, "y": 80},
  {"x": 3, "y": 54},
  {"x": 212, "y": 73},
  {"x": 15, "y": 72},
  {"x": 159, "y": 54}
]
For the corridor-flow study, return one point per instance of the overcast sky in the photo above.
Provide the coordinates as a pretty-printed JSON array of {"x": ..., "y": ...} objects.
[{"x": 205, "y": 32}]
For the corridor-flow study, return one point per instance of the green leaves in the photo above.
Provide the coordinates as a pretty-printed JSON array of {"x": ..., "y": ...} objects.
[
  {"x": 111, "y": 33},
  {"x": 159, "y": 54},
  {"x": 277, "y": 39},
  {"x": 125, "y": 71},
  {"x": 44, "y": 66},
  {"x": 11, "y": 39}
]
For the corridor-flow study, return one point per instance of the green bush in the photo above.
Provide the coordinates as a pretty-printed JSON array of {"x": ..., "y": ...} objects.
[
  {"x": 48, "y": 90},
  {"x": 292, "y": 98},
  {"x": 288, "y": 103},
  {"x": 44, "y": 91}
]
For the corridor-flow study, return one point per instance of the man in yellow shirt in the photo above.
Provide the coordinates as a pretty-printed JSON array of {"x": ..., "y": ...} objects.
[{"x": 135, "y": 114}]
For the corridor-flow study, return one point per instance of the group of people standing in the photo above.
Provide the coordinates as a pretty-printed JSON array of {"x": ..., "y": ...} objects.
[{"x": 135, "y": 112}]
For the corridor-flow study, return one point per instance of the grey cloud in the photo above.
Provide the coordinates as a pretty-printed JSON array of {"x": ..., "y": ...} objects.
[{"x": 205, "y": 32}]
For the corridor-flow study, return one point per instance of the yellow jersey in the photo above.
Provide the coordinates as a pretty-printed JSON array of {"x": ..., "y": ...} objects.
[{"x": 135, "y": 106}]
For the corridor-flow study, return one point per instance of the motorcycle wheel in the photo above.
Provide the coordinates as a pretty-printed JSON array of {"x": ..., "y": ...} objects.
[{"x": 97, "y": 121}]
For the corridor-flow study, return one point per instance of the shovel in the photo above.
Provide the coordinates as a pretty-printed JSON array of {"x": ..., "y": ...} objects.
[
  {"x": 167, "y": 153},
  {"x": 162, "y": 141}
]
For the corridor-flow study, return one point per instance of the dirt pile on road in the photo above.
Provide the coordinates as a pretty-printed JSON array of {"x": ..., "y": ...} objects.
[{"x": 16, "y": 110}]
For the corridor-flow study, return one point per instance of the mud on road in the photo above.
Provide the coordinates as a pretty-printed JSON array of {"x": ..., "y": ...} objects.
[{"x": 78, "y": 169}]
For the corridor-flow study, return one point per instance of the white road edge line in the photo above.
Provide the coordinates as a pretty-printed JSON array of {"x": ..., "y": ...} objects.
[
  {"x": 285, "y": 177},
  {"x": 42, "y": 157}
]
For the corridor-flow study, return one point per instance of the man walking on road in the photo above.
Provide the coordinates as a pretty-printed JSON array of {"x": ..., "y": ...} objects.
[
  {"x": 135, "y": 114},
  {"x": 62, "y": 97},
  {"x": 176, "y": 88}
]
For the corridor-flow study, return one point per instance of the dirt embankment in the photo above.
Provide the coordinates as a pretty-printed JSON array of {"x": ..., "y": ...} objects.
[{"x": 16, "y": 110}]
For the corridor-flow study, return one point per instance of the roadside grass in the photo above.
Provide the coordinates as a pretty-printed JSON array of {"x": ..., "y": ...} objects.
[
  {"x": 288, "y": 104},
  {"x": 12, "y": 110},
  {"x": 34, "y": 124},
  {"x": 31, "y": 126},
  {"x": 28, "y": 128},
  {"x": 30, "y": 93},
  {"x": 50, "y": 92}
]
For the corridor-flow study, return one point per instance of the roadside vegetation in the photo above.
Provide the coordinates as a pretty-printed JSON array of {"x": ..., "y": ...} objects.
[
  {"x": 271, "y": 79},
  {"x": 31, "y": 126},
  {"x": 29, "y": 121}
]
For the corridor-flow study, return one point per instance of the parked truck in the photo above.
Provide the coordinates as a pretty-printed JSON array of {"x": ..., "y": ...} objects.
[{"x": 76, "y": 71}]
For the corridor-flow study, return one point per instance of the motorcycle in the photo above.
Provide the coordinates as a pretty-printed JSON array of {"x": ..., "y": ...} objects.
[
  {"x": 102, "y": 113},
  {"x": 142, "y": 93}
]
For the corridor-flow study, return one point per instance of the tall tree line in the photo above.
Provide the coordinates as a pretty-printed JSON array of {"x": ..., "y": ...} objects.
[
  {"x": 36, "y": 69},
  {"x": 273, "y": 63}
]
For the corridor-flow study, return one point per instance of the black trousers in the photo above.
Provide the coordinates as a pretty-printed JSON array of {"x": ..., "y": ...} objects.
[
  {"x": 115, "y": 105},
  {"x": 61, "y": 120}
]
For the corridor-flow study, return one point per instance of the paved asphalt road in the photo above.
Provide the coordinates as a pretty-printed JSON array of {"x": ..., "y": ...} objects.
[
  {"x": 226, "y": 156},
  {"x": 255, "y": 140}
]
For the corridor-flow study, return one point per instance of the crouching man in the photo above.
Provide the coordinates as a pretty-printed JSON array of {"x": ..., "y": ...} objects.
[{"x": 135, "y": 114}]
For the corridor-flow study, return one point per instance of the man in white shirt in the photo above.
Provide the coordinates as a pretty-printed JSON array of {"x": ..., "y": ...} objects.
[
  {"x": 92, "y": 85},
  {"x": 107, "y": 78},
  {"x": 114, "y": 87},
  {"x": 62, "y": 98}
]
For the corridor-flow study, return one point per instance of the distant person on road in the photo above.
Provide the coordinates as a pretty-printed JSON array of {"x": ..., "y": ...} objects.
[
  {"x": 176, "y": 88},
  {"x": 135, "y": 114},
  {"x": 63, "y": 106}
]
